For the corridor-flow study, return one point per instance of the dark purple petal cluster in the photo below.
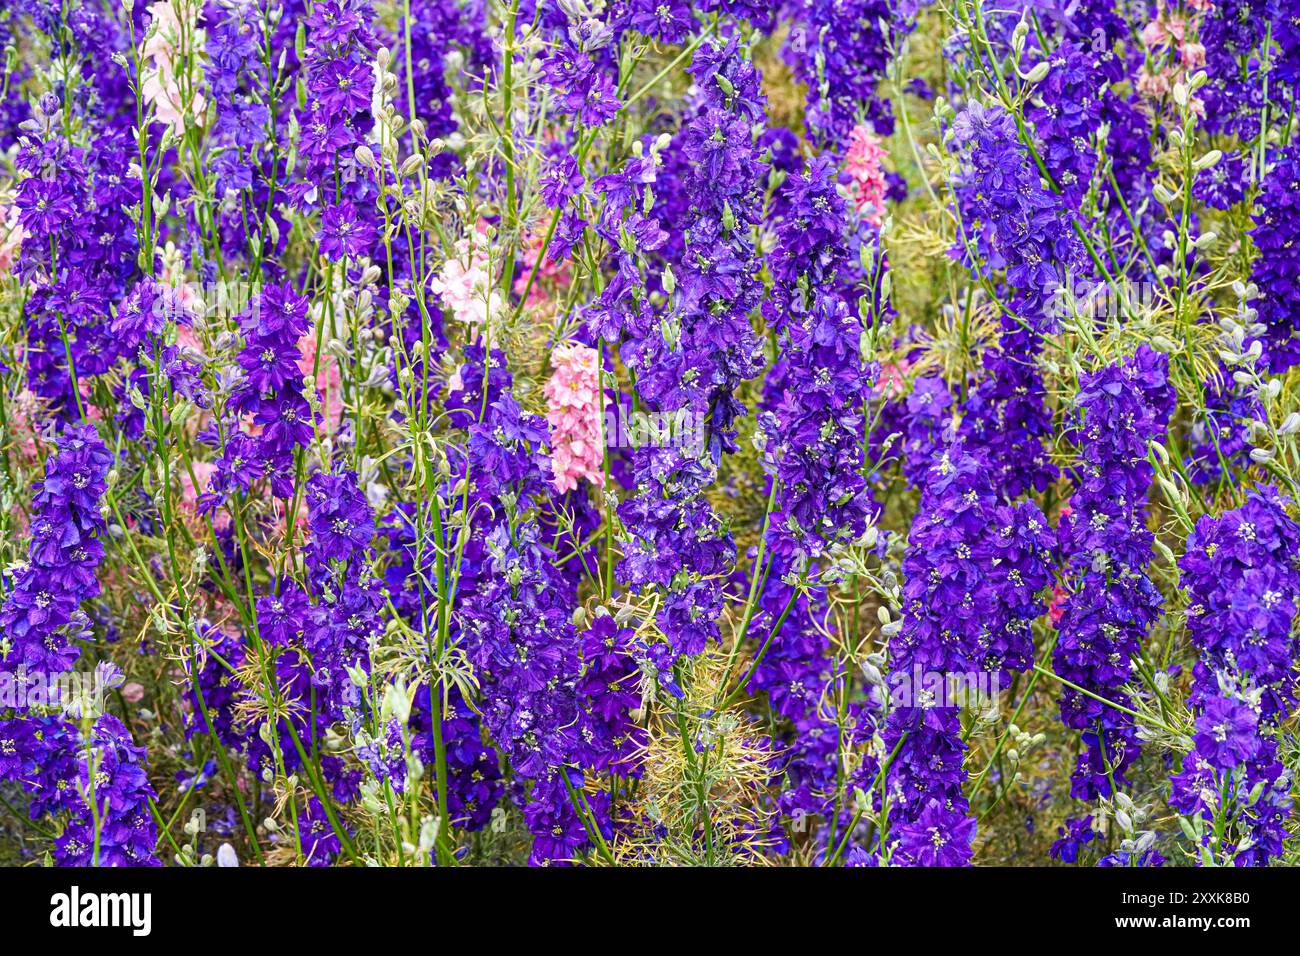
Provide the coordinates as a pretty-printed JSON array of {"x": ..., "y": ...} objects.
[
  {"x": 1241, "y": 572},
  {"x": 270, "y": 394},
  {"x": 839, "y": 51},
  {"x": 474, "y": 786},
  {"x": 1277, "y": 270},
  {"x": 43, "y": 603},
  {"x": 973, "y": 573},
  {"x": 925, "y": 420},
  {"x": 244, "y": 44},
  {"x": 1066, "y": 115},
  {"x": 689, "y": 363},
  {"x": 1111, "y": 602},
  {"x": 112, "y": 775},
  {"x": 582, "y": 72},
  {"x": 518, "y": 631},
  {"x": 339, "y": 628},
  {"x": 437, "y": 29},
  {"x": 340, "y": 81},
  {"x": 79, "y": 254},
  {"x": 1011, "y": 222},
  {"x": 61, "y": 768},
  {"x": 814, "y": 451}
]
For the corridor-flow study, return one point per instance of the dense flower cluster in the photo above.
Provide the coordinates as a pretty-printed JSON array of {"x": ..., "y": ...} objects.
[
  {"x": 42, "y": 607},
  {"x": 479, "y": 432},
  {"x": 839, "y": 51},
  {"x": 972, "y": 578},
  {"x": 270, "y": 395},
  {"x": 815, "y": 454},
  {"x": 576, "y": 415},
  {"x": 1024, "y": 230},
  {"x": 1242, "y": 579},
  {"x": 1277, "y": 270},
  {"x": 91, "y": 770},
  {"x": 1112, "y": 602},
  {"x": 693, "y": 360}
]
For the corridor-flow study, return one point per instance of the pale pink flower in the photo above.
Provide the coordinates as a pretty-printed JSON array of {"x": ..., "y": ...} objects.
[
  {"x": 465, "y": 285},
  {"x": 1154, "y": 34},
  {"x": 166, "y": 41},
  {"x": 893, "y": 378},
  {"x": 576, "y": 408},
  {"x": 12, "y": 235},
  {"x": 329, "y": 380},
  {"x": 864, "y": 162},
  {"x": 556, "y": 272},
  {"x": 1192, "y": 55},
  {"x": 1155, "y": 85}
]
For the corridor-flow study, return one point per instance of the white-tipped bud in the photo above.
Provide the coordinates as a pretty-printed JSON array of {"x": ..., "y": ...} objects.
[
  {"x": 365, "y": 157},
  {"x": 1038, "y": 73},
  {"x": 413, "y": 165},
  {"x": 1209, "y": 160}
]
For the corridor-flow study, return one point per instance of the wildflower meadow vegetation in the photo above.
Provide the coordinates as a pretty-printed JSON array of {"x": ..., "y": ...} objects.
[{"x": 640, "y": 432}]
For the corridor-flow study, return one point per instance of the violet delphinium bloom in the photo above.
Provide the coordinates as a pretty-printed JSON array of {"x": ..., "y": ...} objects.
[
  {"x": 1066, "y": 119},
  {"x": 690, "y": 362},
  {"x": 813, "y": 448},
  {"x": 582, "y": 73},
  {"x": 280, "y": 615},
  {"x": 1277, "y": 270},
  {"x": 272, "y": 324},
  {"x": 474, "y": 787},
  {"x": 337, "y": 120},
  {"x": 610, "y": 691},
  {"x": 1230, "y": 35},
  {"x": 43, "y": 600},
  {"x": 1222, "y": 185},
  {"x": 65, "y": 194},
  {"x": 340, "y": 518},
  {"x": 927, "y": 427},
  {"x": 1016, "y": 225},
  {"x": 561, "y": 179},
  {"x": 518, "y": 633},
  {"x": 343, "y": 232},
  {"x": 1072, "y": 838},
  {"x": 41, "y": 609},
  {"x": 972, "y": 575},
  {"x": 123, "y": 833},
  {"x": 668, "y": 20},
  {"x": 319, "y": 843},
  {"x": 1112, "y": 603},
  {"x": 250, "y": 167},
  {"x": 1221, "y": 435},
  {"x": 1242, "y": 578},
  {"x": 344, "y": 620},
  {"x": 840, "y": 52}
]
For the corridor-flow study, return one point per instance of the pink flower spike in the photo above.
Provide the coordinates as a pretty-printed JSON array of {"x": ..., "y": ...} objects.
[{"x": 575, "y": 417}]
